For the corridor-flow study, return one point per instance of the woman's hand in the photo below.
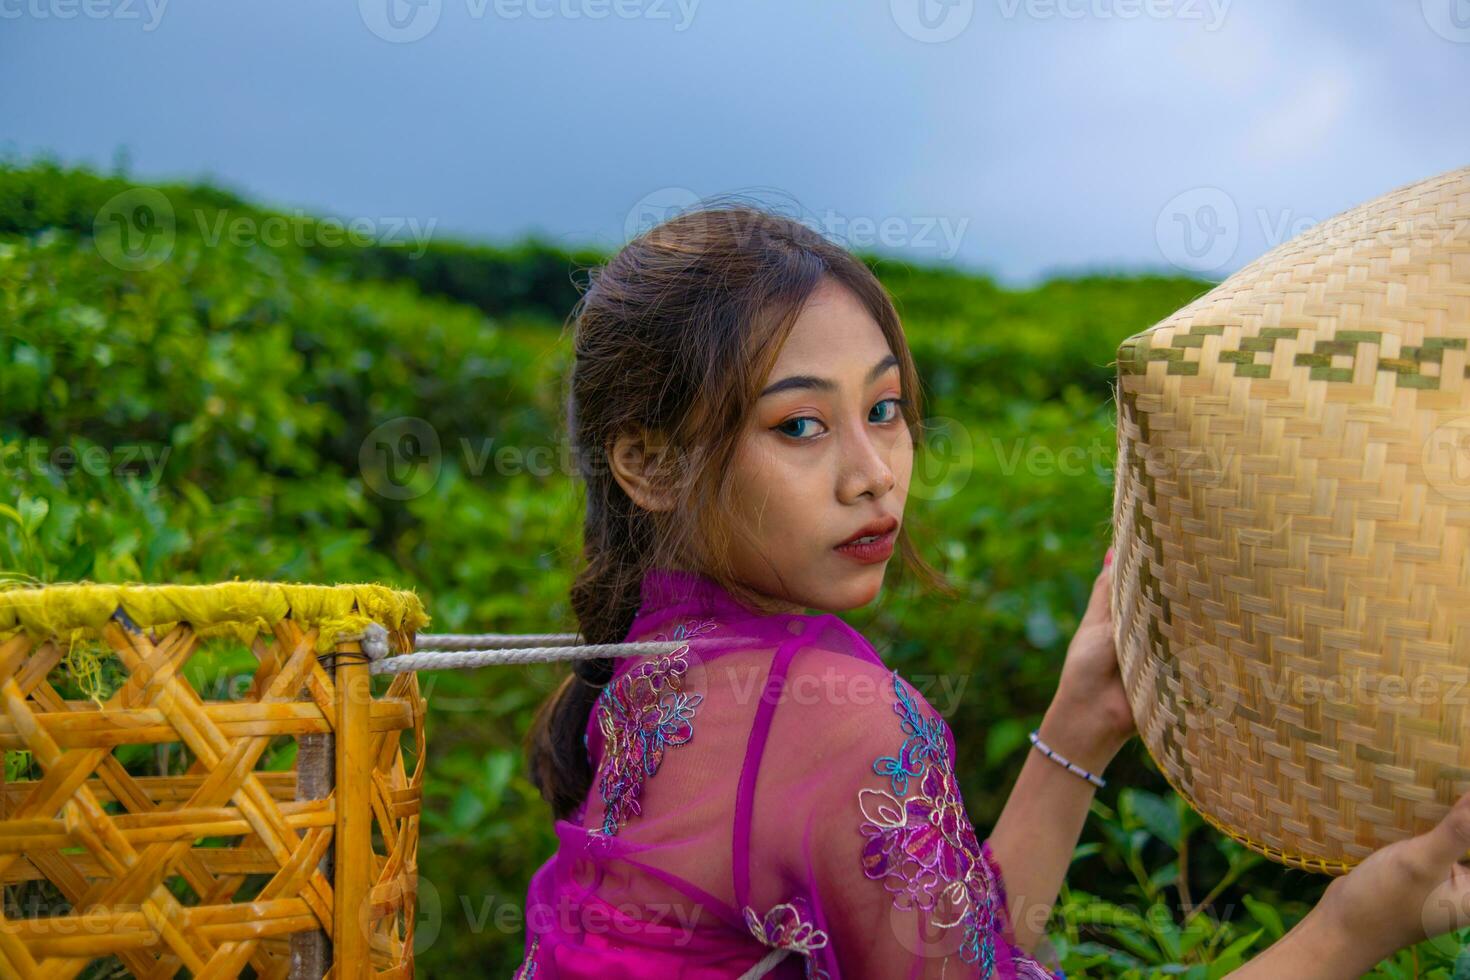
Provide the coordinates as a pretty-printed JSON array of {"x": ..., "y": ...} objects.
[
  {"x": 1401, "y": 894},
  {"x": 1409, "y": 890},
  {"x": 1090, "y": 714}
]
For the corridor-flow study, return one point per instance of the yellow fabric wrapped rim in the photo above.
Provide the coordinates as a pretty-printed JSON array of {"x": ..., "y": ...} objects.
[{"x": 239, "y": 609}]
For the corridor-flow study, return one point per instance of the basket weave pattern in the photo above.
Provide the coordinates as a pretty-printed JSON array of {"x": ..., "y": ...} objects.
[
  {"x": 215, "y": 869},
  {"x": 1292, "y": 524}
]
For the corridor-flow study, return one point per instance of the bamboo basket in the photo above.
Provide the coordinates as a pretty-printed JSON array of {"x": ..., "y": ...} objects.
[
  {"x": 1292, "y": 520},
  {"x": 221, "y": 856}
]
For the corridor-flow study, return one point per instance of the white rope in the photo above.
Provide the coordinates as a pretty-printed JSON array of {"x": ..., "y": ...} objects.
[
  {"x": 449, "y": 659},
  {"x": 491, "y": 641},
  {"x": 449, "y": 651}
]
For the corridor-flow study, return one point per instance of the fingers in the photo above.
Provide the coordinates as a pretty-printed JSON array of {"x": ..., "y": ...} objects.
[
  {"x": 1450, "y": 839},
  {"x": 1447, "y": 906},
  {"x": 1099, "y": 603}
]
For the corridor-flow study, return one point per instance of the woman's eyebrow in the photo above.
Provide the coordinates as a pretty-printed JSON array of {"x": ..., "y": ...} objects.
[{"x": 826, "y": 384}]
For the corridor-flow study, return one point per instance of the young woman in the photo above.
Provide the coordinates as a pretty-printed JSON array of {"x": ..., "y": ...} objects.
[{"x": 772, "y": 799}]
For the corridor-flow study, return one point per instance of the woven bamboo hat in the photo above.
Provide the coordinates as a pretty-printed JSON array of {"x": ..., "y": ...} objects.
[{"x": 1292, "y": 523}]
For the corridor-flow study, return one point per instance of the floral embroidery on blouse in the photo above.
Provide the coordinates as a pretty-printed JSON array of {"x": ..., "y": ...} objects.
[
  {"x": 640, "y": 714},
  {"x": 921, "y": 844},
  {"x": 789, "y": 926},
  {"x": 527, "y": 970},
  {"x": 1029, "y": 969}
]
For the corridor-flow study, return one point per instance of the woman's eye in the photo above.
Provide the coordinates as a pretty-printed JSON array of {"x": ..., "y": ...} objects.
[
  {"x": 807, "y": 427},
  {"x": 784, "y": 427},
  {"x": 888, "y": 416}
]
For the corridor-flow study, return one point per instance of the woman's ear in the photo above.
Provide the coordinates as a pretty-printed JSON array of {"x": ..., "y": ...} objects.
[{"x": 639, "y": 465}]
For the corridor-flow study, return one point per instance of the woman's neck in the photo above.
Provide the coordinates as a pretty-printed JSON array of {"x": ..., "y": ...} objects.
[{"x": 771, "y": 603}]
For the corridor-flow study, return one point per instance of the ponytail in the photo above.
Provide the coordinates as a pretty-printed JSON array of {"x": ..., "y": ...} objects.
[
  {"x": 605, "y": 599},
  {"x": 560, "y": 769}
]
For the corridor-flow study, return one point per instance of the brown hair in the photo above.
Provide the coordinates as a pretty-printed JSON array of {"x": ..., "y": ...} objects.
[{"x": 675, "y": 334}]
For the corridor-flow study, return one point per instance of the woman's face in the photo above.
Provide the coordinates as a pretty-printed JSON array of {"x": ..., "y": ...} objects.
[{"x": 827, "y": 454}]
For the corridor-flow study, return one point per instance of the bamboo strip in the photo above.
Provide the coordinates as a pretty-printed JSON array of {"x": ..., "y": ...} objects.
[
  {"x": 353, "y": 859},
  {"x": 139, "y": 726}
]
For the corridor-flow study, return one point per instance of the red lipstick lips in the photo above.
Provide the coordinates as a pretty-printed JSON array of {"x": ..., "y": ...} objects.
[{"x": 872, "y": 543}]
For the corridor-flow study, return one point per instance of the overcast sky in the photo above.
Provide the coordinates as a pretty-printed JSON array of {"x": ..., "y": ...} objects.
[{"x": 1022, "y": 137}]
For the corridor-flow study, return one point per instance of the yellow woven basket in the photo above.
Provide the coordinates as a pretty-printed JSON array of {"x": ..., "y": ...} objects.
[
  {"x": 1292, "y": 524},
  {"x": 247, "y": 809}
]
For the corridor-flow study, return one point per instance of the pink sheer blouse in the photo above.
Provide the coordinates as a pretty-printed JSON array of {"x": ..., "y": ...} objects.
[{"x": 770, "y": 800}]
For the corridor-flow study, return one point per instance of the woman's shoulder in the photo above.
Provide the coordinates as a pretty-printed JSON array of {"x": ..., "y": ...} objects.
[
  {"x": 839, "y": 688},
  {"x": 820, "y": 675}
]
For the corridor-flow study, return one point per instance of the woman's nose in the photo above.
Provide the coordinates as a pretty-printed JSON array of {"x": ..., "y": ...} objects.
[{"x": 867, "y": 471}]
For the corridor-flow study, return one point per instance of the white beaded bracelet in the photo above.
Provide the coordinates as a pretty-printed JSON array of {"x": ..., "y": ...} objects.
[{"x": 1050, "y": 753}]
